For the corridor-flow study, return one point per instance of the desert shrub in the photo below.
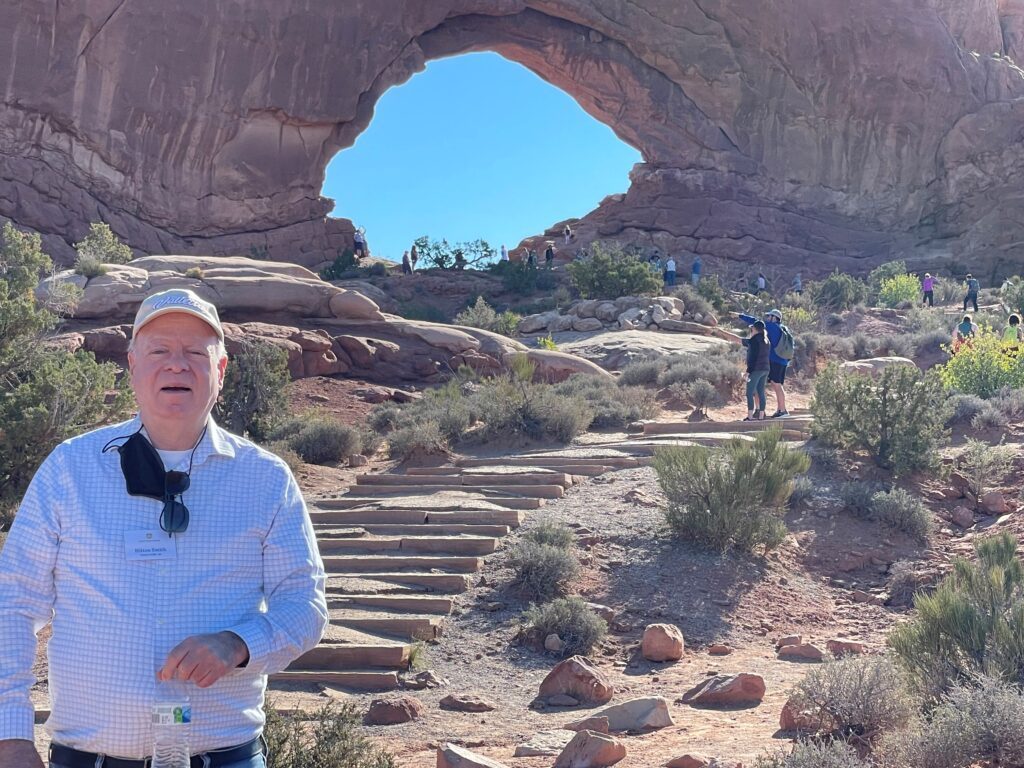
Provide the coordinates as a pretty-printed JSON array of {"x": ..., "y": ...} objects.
[
  {"x": 838, "y": 292},
  {"x": 982, "y": 367},
  {"x": 701, "y": 394},
  {"x": 1011, "y": 295},
  {"x": 611, "y": 405},
  {"x": 643, "y": 373},
  {"x": 343, "y": 266},
  {"x": 979, "y": 723},
  {"x": 552, "y": 535},
  {"x": 286, "y": 453},
  {"x": 721, "y": 370},
  {"x": 547, "y": 342},
  {"x": 930, "y": 342},
  {"x": 370, "y": 441},
  {"x": 800, "y": 319},
  {"x": 815, "y": 754},
  {"x": 572, "y": 620},
  {"x": 196, "y": 273},
  {"x": 710, "y": 288},
  {"x": 879, "y": 275},
  {"x": 733, "y": 497},
  {"x": 864, "y": 346},
  {"x": 824, "y": 457},
  {"x": 513, "y": 406},
  {"x": 899, "y": 290},
  {"x": 543, "y": 571},
  {"x": 384, "y": 417},
  {"x": 856, "y": 497},
  {"x": 376, "y": 269},
  {"x": 253, "y": 396},
  {"x": 482, "y": 315},
  {"x": 903, "y": 583},
  {"x": 428, "y": 313},
  {"x": 972, "y": 624},
  {"x": 324, "y": 439},
  {"x": 803, "y": 489},
  {"x": 609, "y": 273},
  {"x": 984, "y": 465},
  {"x": 963, "y": 408},
  {"x": 903, "y": 511},
  {"x": 421, "y": 439},
  {"x": 1004, "y": 407},
  {"x": 855, "y": 698},
  {"x": 898, "y": 346},
  {"x": 447, "y": 406},
  {"x": 100, "y": 247},
  {"x": 897, "y": 418},
  {"x": 328, "y": 737},
  {"x": 694, "y": 301}
]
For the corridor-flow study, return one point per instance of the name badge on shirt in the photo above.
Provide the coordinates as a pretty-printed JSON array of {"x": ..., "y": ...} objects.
[{"x": 149, "y": 545}]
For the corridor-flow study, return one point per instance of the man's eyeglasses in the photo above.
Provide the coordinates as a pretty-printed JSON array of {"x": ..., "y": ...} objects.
[{"x": 174, "y": 516}]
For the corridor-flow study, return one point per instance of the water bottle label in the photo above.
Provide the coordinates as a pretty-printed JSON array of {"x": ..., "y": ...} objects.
[{"x": 172, "y": 714}]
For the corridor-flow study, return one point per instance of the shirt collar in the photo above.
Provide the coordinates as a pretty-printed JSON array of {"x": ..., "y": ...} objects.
[{"x": 214, "y": 442}]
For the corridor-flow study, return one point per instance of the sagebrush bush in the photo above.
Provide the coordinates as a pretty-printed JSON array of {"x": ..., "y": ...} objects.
[
  {"x": 983, "y": 367},
  {"x": 579, "y": 628},
  {"x": 610, "y": 404},
  {"x": 328, "y": 737},
  {"x": 972, "y": 624},
  {"x": 324, "y": 440},
  {"x": 864, "y": 346},
  {"x": 512, "y": 407},
  {"x": 551, "y": 534},
  {"x": 384, "y": 417},
  {"x": 196, "y": 273},
  {"x": 983, "y": 465},
  {"x": 880, "y": 274},
  {"x": 701, "y": 394},
  {"x": 253, "y": 396},
  {"x": 609, "y": 273},
  {"x": 733, "y": 497},
  {"x": 482, "y": 315},
  {"x": 543, "y": 571},
  {"x": 896, "y": 346},
  {"x": 286, "y": 453},
  {"x": 547, "y": 342},
  {"x": 421, "y": 439},
  {"x": 803, "y": 489},
  {"x": 855, "y": 698},
  {"x": 694, "y": 301},
  {"x": 856, "y": 497},
  {"x": 815, "y": 754},
  {"x": 722, "y": 370},
  {"x": 903, "y": 583},
  {"x": 963, "y": 408},
  {"x": 1011, "y": 295},
  {"x": 903, "y": 511},
  {"x": 644, "y": 373},
  {"x": 1003, "y": 408},
  {"x": 898, "y": 418},
  {"x": 800, "y": 319},
  {"x": 838, "y": 292},
  {"x": 974, "y": 724}
]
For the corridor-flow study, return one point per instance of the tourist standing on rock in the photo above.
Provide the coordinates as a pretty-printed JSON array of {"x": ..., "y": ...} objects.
[
  {"x": 504, "y": 253},
  {"x": 670, "y": 272},
  {"x": 782, "y": 350},
  {"x": 549, "y": 255},
  {"x": 175, "y": 562},
  {"x": 695, "y": 271},
  {"x": 359, "y": 241},
  {"x": 973, "y": 286},
  {"x": 531, "y": 258},
  {"x": 928, "y": 289},
  {"x": 414, "y": 256},
  {"x": 762, "y": 282},
  {"x": 758, "y": 366},
  {"x": 655, "y": 264},
  {"x": 798, "y": 285},
  {"x": 568, "y": 234},
  {"x": 406, "y": 264}
]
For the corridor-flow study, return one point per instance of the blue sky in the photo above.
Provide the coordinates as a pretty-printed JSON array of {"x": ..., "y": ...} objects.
[{"x": 474, "y": 146}]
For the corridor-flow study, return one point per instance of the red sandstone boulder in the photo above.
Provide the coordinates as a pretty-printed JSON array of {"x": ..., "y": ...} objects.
[
  {"x": 578, "y": 678},
  {"x": 392, "y": 711},
  {"x": 662, "y": 642},
  {"x": 452, "y": 756},
  {"x": 591, "y": 750},
  {"x": 727, "y": 690},
  {"x": 802, "y": 652}
]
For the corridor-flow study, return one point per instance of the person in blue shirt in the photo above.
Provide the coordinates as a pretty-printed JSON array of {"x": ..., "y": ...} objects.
[
  {"x": 695, "y": 271},
  {"x": 777, "y": 365}
]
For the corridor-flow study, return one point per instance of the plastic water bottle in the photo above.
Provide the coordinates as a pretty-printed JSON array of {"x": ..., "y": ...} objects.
[{"x": 171, "y": 731}]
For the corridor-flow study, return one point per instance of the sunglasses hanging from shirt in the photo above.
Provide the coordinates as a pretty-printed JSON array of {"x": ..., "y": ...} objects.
[{"x": 144, "y": 475}]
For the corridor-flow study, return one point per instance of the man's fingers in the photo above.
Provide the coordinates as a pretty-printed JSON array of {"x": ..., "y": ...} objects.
[{"x": 174, "y": 658}]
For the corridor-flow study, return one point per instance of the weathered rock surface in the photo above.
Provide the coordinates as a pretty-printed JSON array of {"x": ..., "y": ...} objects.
[
  {"x": 643, "y": 714},
  {"x": 801, "y": 652},
  {"x": 545, "y": 744},
  {"x": 875, "y": 365},
  {"x": 727, "y": 690},
  {"x": 578, "y": 678},
  {"x": 214, "y": 134},
  {"x": 393, "y": 710},
  {"x": 466, "y": 702},
  {"x": 662, "y": 642},
  {"x": 591, "y": 750},
  {"x": 453, "y": 756}
]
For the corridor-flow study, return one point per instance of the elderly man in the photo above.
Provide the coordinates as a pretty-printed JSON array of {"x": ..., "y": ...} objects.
[{"x": 167, "y": 553}]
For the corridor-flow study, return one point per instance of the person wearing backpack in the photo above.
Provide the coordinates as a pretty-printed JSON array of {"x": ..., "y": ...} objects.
[
  {"x": 973, "y": 286},
  {"x": 783, "y": 348}
]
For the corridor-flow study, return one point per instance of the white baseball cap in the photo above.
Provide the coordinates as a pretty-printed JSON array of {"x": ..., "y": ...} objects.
[{"x": 176, "y": 300}]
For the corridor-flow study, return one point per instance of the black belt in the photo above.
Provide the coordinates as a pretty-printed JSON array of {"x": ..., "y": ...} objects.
[{"x": 74, "y": 758}]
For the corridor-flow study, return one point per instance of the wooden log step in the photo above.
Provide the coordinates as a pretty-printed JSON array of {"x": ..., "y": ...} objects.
[
  {"x": 423, "y": 604},
  {"x": 451, "y": 545},
  {"x": 378, "y": 563},
  {"x": 438, "y": 583},
  {"x": 356, "y": 680}
]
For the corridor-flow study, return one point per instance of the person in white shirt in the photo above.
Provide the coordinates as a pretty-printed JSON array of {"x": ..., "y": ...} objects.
[
  {"x": 167, "y": 554},
  {"x": 670, "y": 272},
  {"x": 504, "y": 253}
]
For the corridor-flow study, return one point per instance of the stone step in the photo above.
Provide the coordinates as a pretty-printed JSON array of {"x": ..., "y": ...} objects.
[
  {"x": 575, "y": 470},
  {"x": 357, "y": 517},
  {"x": 440, "y": 529},
  {"x": 404, "y": 625},
  {"x": 476, "y": 479},
  {"x": 408, "y": 502},
  {"x": 366, "y": 518},
  {"x": 535, "y": 491},
  {"x": 387, "y": 479},
  {"x": 428, "y": 604},
  {"x": 346, "y": 648},
  {"x": 353, "y": 679},
  {"x": 618, "y": 462},
  {"x": 401, "y": 583},
  {"x": 510, "y": 517},
  {"x": 451, "y": 545},
  {"x": 795, "y": 423},
  {"x": 382, "y": 563}
]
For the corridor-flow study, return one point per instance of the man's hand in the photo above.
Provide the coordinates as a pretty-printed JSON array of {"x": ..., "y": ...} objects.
[
  {"x": 204, "y": 659},
  {"x": 18, "y": 753}
]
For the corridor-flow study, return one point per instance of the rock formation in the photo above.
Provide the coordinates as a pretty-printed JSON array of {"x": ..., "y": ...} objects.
[{"x": 816, "y": 133}]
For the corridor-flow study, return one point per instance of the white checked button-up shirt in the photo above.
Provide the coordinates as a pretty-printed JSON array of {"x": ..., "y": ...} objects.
[{"x": 248, "y": 563}]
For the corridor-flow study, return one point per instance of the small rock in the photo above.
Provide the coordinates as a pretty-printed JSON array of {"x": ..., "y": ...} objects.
[
  {"x": 596, "y": 724},
  {"x": 357, "y": 460},
  {"x": 392, "y": 711},
  {"x": 662, "y": 642},
  {"x": 452, "y": 756},
  {"x": 545, "y": 744},
  {"x": 553, "y": 643},
  {"x": 803, "y": 652},
  {"x": 466, "y": 703},
  {"x": 789, "y": 640},
  {"x": 963, "y": 517},
  {"x": 591, "y": 750},
  {"x": 688, "y": 761},
  {"x": 860, "y": 596},
  {"x": 643, "y": 714},
  {"x": 606, "y": 613},
  {"x": 793, "y": 718},
  {"x": 719, "y": 650},
  {"x": 563, "y": 700},
  {"x": 494, "y": 606},
  {"x": 578, "y": 678},
  {"x": 844, "y": 648},
  {"x": 726, "y": 690},
  {"x": 638, "y": 497}
]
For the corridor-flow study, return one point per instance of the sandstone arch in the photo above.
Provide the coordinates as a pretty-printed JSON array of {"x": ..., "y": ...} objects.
[{"x": 816, "y": 132}]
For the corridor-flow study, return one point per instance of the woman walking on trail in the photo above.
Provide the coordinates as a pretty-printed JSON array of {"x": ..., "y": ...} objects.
[
  {"x": 758, "y": 366},
  {"x": 928, "y": 289}
]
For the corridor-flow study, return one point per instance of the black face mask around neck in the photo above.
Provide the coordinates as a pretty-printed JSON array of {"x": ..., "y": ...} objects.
[{"x": 144, "y": 473}]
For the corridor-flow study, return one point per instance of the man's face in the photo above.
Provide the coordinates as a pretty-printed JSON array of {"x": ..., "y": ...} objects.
[{"x": 176, "y": 370}]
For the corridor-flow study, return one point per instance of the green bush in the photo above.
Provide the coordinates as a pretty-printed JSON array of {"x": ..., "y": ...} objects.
[
  {"x": 511, "y": 406},
  {"x": 328, "y": 737},
  {"x": 903, "y": 511},
  {"x": 444, "y": 255},
  {"x": 815, "y": 754},
  {"x": 977, "y": 724},
  {"x": 700, "y": 394},
  {"x": 482, "y": 315},
  {"x": 572, "y": 620},
  {"x": 1011, "y": 295},
  {"x": 800, "y": 320},
  {"x": 803, "y": 489},
  {"x": 855, "y": 698},
  {"x": 963, "y": 408},
  {"x": 878, "y": 277},
  {"x": 196, "y": 273},
  {"x": 897, "y": 418},
  {"x": 609, "y": 273},
  {"x": 972, "y": 624},
  {"x": 694, "y": 301},
  {"x": 732, "y": 497},
  {"x": 543, "y": 571},
  {"x": 100, "y": 247},
  {"x": 343, "y": 266},
  {"x": 546, "y": 342},
  {"x": 643, "y": 373},
  {"x": 324, "y": 440},
  {"x": 982, "y": 367},
  {"x": 428, "y": 313},
  {"x": 711, "y": 290},
  {"x": 722, "y": 370},
  {"x": 984, "y": 466},
  {"x": 422, "y": 439},
  {"x": 384, "y": 417},
  {"x": 253, "y": 396},
  {"x": 838, "y": 292},
  {"x": 857, "y": 496},
  {"x": 551, "y": 534},
  {"x": 610, "y": 404},
  {"x": 1003, "y": 408}
]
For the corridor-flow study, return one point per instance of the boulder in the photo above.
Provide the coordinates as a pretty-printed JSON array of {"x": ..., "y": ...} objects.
[
  {"x": 585, "y": 309},
  {"x": 553, "y": 643},
  {"x": 393, "y": 710},
  {"x": 108, "y": 343},
  {"x": 662, "y": 642},
  {"x": 554, "y": 366},
  {"x": 452, "y": 756},
  {"x": 962, "y": 517},
  {"x": 466, "y": 702},
  {"x": 718, "y": 649},
  {"x": 355, "y": 306},
  {"x": 545, "y": 744},
  {"x": 561, "y": 323},
  {"x": 606, "y": 312},
  {"x": 840, "y": 648},
  {"x": 591, "y": 750},
  {"x": 577, "y": 677},
  {"x": 994, "y": 503},
  {"x": 631, "y": 316},
  {"x": 788, "y": 640},
  {"x": 801, "y": 652},
  {"x": 536, "y": 323},
  {"x": 875, "y": 365},
  {"x": 658, "y": 314},
  {"x": 598, "y": 724},
  {"x": 624, "y": 303},
  {"x": 688, "y": 761},
  {"x": 585, "y": 324},
  {"x": 795, "y": 718},
  {"x": 743, "y": 689},
  {"x": 642, "y": 714}
]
